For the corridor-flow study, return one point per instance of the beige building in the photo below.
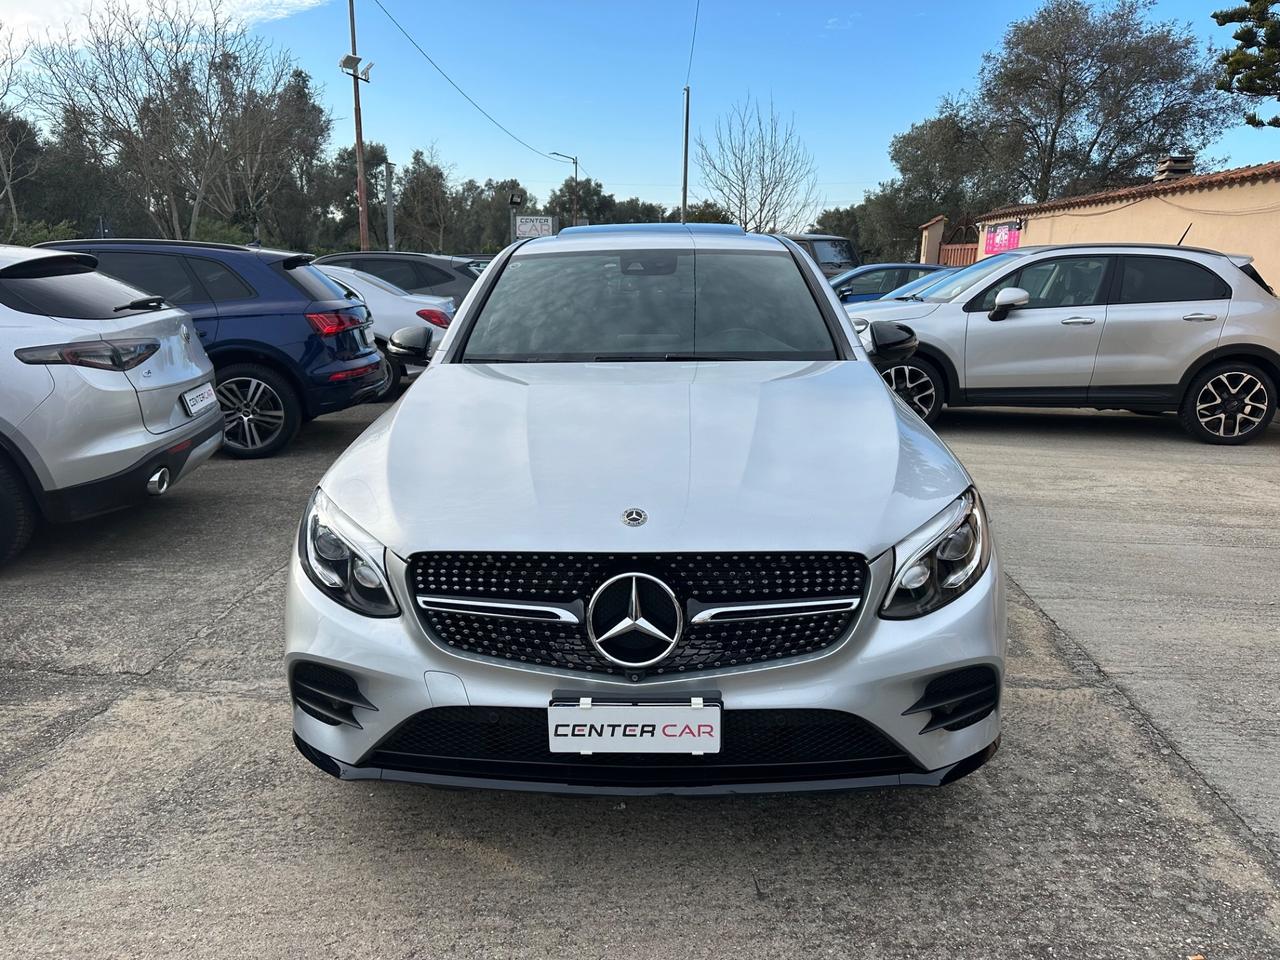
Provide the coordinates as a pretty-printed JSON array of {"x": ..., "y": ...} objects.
[{"x": 1234, "y": 211}]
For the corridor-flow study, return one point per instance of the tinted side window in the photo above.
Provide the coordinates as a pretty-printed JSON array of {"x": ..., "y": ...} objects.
[
  {"x": 398, "y": 272},
  {"x": 910, "y": 275},
  {"x": 1168, "y": 279},
  {"x": 58, "y": 288},
  {"x": 873, "y": 281},
  {"x": 311, "y": 281},
  {"x": 432, "y": 275},
  {"x": 1061, "y": 282},
  {"x": 162, "y": 274},
  {"x": 220, "y": 280}
]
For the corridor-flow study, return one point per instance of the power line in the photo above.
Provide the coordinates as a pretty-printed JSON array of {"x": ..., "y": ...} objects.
[
  {"x": 692, "y": 41},
  {"x": 464, "y": 93}
]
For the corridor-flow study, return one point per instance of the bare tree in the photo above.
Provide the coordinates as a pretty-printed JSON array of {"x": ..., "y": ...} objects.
[
  {"x": 757, "y": 168},
  {"x": 18, "y": 137},
  {"x": 171, "y": 92}
]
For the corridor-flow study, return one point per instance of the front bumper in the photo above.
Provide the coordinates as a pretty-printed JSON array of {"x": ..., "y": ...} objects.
[{"x": 879, "y": 671}]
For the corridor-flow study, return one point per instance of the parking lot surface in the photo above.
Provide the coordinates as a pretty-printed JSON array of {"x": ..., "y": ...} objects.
[{"x": 152, "y": 804}]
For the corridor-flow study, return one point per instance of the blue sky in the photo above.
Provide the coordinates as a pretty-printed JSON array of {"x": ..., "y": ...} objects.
[{"x": 603, "y": 79}]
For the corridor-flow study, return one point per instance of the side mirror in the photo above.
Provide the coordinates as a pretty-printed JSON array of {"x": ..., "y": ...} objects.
[
  {"x": 843, "y": 292},
  {"x": 894, "y": 342},
  {"x": 411, "y": 345},
  {"x": 1008, "y": 299}
]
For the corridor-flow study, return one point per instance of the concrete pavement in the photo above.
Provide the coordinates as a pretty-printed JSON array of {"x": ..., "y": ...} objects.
[{"x": 152, "y": 805}]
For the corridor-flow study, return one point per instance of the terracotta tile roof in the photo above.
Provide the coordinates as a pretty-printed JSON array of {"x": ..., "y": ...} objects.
[{"x": 1204, "y": 181}]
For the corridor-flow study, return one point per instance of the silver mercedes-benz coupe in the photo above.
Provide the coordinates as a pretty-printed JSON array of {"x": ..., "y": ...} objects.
[{"x": 651, "y": 522}]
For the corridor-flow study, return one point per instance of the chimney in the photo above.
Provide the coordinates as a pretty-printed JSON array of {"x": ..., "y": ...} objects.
[{"x": 1174, "y": 167}]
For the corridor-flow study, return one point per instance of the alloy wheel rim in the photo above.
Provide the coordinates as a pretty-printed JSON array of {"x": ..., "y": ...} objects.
[
  {"x": 252, "y": 413},
  {"x": 914, "y": 386},
  {"x": 1232, "y": 404}
]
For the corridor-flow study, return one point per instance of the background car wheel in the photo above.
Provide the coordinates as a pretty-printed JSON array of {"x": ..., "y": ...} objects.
[
  {"x": 1229, "y": 403},
  {"x": 918, "y": 382},
  {"x": 18, "y": 515},
  {"x": 261, "y": 411},
  {"x": 396, "y": 369}
]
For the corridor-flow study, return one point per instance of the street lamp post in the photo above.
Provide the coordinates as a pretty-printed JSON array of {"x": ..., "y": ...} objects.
[
  {"x": 574, "y": 160},
  {"x": 349, "y": 65}
]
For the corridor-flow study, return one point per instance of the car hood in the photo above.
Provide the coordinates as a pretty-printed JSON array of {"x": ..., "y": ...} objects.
[
  {"x": 721, "y": 456},
  {"x": 891, "y": 309}
]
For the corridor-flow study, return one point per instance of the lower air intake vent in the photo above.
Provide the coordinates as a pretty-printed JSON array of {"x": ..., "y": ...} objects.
[
  {"x": 326, "y": 693},
  {"x": 958, "y": 699},
  {"x": 760, "y": 746}
]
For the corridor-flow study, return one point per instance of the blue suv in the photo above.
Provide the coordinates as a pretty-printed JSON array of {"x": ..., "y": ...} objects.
[{"x": 287, "y": 343}]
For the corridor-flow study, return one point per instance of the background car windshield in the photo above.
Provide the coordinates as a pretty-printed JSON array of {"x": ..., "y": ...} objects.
[
  {"x": 833, "y": 253},
  {"x": 960, "y": 281},
  {"x": 919, "y": 285},
  {"x": 650, "y": 305}
]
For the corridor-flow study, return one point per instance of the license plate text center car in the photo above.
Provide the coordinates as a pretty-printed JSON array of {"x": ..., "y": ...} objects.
[{"x": 586, "y": 727}]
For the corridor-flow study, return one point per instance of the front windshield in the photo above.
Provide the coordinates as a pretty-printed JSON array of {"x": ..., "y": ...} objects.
[
  {"x": 833, "y": 253},
  {"x": 650, "y": 305},
  {"x": 917, "y": 286},
  {"x": 960, "y": 281}
]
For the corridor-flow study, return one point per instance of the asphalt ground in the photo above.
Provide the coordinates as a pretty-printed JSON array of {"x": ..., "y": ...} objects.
[{"x": 152, "y": 804}]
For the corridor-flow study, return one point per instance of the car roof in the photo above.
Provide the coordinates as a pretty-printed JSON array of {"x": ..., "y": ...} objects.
[
  {"x": 10, "y": 254},
  {"x": 266, "y": 253},
  {"x": 1108, "y": 245},
  {"x": 652, "y": 236}
]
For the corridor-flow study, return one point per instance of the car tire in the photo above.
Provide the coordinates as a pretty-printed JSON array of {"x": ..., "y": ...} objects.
[
  {"x": 919, "y": 383},
  {"x": 18, "y": 516},
  {"x": 261, "y": 411},
  {"x": 1229, "y": 403},
  {"x": 397, "y": 371}
]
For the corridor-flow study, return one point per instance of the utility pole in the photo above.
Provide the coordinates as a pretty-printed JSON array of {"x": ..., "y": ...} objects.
[
  {"x": 573, "y": 220},
  {"x": 391, "y": 205},
  {"x": 362, "y": 197},
  {"x": 684, "y": 178}
]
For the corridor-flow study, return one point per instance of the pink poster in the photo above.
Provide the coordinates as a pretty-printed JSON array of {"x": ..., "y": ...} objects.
[{"x": 1001, "y": 237}]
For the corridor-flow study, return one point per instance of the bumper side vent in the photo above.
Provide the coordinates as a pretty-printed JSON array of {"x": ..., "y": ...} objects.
[
  {"x": 328, "y": 694},
  {"x": 958, "y": 699}
]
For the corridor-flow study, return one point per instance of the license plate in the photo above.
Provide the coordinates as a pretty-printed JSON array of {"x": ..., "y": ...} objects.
[
  {"x": 633, "y": 728},
  {"x": 200, "y": 399}
]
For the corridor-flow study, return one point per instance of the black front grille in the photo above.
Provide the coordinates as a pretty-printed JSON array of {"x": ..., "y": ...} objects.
[
  {"x": 709, "y": 578},
  {"x": 757, "y": 746}
]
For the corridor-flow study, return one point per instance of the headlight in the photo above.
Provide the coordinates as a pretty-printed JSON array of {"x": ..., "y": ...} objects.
[
  {"x": 344, "y": 561},
  {"x": 940, "y": 561}
]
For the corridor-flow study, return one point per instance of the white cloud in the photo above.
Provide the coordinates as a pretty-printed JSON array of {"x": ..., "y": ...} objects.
[{"x": 37, "y": 17}]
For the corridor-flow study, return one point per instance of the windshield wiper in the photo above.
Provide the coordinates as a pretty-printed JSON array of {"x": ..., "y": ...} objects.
[
  {"x": 911, "y": 296},
  {"x": 142, "y": 303},
  {"x": 482, "y": 358}
]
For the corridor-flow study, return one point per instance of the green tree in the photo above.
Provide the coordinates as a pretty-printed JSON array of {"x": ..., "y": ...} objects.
[
  {"x": 593, "y": 203},
  {"x": 1081, "y": 98},
  {"x": 701, "y": 211},
  {"x": 839, "y": 222},
  {"x": 1252, "y": 68},
  {"x": 635, "y": 210}
]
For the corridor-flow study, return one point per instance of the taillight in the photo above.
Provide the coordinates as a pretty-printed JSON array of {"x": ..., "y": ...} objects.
[
  {"x": 334, "y": 321},
  {"x": 99, "y": 354},
  {"x": 437, "y": 317},
  {"x": 355, "y": 372}
]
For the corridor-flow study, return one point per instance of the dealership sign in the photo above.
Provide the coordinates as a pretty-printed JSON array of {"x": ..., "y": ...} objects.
[
  {"x": 1002, "y": 237},
  {"x": 527, "y": 226}
]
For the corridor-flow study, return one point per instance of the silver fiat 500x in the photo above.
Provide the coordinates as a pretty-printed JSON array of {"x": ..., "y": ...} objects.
[{"x": 675, "y": 536}]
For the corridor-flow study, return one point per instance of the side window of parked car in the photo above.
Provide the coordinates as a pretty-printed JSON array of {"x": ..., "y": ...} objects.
[
  {"x": 1060, "y": 282},
  {"x": 873, "y": 281},
  {"x": 399, "y": 272},
  {"x": 220, "y": 280},
  {"x": 431, "y": 275},
  {"x": 1168, "y": 280},
  {"x": 909, "y": 275},
  {"x": 161, "y": 274}
]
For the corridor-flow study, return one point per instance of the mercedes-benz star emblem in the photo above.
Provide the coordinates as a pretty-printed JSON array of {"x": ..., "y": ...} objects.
[
  {"x": 634, "y": 516},
  {"x": 634, "y": 620}
]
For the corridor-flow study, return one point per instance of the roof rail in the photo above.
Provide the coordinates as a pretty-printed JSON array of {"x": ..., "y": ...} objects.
[
  {"x": 108, "y": 241},
  {"x": 720, "y": 228}
]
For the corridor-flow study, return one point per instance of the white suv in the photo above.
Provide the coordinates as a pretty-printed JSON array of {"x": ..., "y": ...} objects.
[
  {"x": 1145, "y": 328},
  {"x": 106, "y": 395}
]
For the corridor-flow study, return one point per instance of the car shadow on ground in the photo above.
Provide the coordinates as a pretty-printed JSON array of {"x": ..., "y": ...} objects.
[{"x": 1077, "y": 424}]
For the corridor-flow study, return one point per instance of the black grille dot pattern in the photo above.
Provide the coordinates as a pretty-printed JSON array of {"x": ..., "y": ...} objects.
[
  {"x": 519, "y": 734},
  {"x": 709, "y": 578}
]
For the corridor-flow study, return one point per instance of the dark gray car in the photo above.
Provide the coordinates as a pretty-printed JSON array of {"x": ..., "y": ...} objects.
[{"x": 435, "y": 274}]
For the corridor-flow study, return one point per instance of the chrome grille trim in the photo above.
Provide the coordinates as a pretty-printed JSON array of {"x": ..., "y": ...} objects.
[
  {"x": 728, "y": 613},
  {"x": 510, "y": 609}
]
